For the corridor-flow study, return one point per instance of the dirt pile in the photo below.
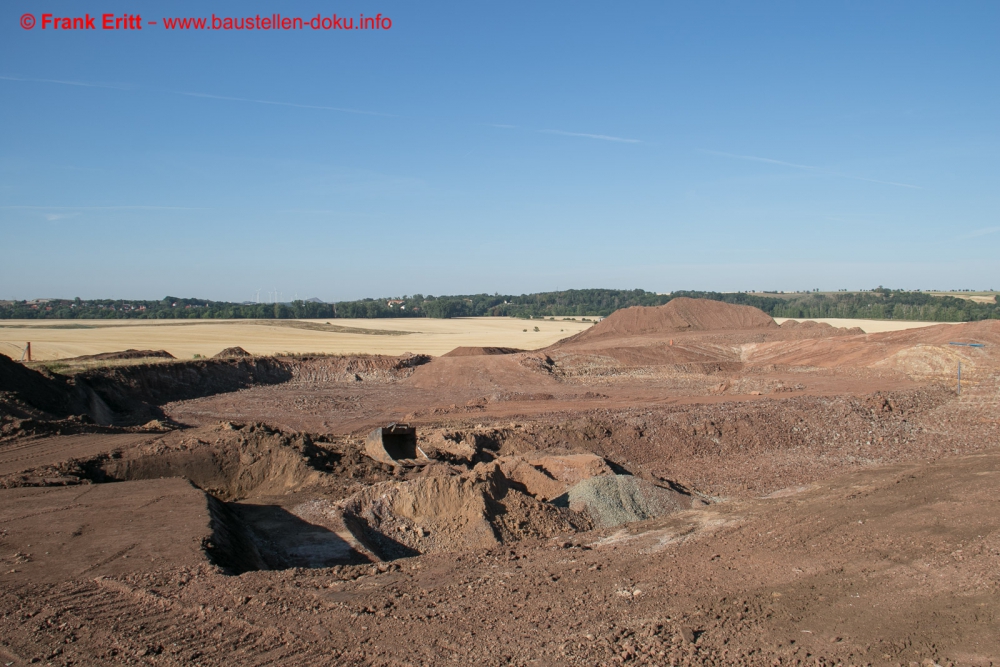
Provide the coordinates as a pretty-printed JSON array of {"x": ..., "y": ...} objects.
[
  {"x": 811, "y": 329},
  {"x": 678, "y": 315},
  {"x": 449, "y": 513},
  {"x": 124, "y": 354},
  {"x": 548, "y": 475},
  {"x": 480, "y": 351},
  {"x": 487, "y": 374},
  {"x": 232, "y": 352},
  {"x": 373, "y": 368},
  {"x": 611, "y": 500}
]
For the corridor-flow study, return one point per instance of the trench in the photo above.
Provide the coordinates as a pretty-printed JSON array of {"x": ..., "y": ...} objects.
[{"x": 247, "y": 481}]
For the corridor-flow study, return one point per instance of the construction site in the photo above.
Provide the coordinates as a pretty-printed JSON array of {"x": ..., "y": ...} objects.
[{"x": 686, "y": 484}]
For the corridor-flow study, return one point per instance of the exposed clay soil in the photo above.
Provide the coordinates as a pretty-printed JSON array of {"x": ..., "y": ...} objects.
[{"x": 687, "y": 484}]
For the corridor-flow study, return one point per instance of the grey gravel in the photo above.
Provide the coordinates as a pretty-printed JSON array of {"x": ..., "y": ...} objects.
[{"x": 612, "y": 500}]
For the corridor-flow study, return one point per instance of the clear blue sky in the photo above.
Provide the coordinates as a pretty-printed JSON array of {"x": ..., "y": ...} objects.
[{"x": 501, "y": 147}]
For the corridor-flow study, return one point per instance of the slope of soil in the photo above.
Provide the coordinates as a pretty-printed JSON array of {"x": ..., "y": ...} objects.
[{"x": 49, "y": 393}]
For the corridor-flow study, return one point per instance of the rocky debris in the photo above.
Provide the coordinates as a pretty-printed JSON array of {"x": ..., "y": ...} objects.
[{"x": 612, "y": 500}]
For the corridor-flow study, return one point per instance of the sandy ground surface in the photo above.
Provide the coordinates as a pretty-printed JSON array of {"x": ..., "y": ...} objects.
[
  {"x": 59, "y": 339},
  {"x": 832, "y": 501}
]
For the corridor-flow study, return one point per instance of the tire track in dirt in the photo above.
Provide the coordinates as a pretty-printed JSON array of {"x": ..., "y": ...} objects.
[{"x": 19, "y": 457}]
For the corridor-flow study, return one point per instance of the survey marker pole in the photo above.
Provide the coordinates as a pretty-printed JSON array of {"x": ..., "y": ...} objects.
[{"x": 960, "y": 378}]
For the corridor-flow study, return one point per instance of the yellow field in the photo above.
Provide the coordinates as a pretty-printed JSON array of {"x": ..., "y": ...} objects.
[
  {"x": 978, "y": 297},
  {"x": 868, "y": 326},
  {"x": 60, "y": 339}
]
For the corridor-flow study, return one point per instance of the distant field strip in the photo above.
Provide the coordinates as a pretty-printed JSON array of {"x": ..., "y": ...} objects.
[
  {"x": 331, "y": 328},
  {"x": 295, "y": 324}
]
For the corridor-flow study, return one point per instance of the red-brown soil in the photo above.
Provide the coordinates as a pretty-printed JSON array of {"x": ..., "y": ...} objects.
[
  {"x": 820, "y": 496},
  {"x": 680, "y": 314}
]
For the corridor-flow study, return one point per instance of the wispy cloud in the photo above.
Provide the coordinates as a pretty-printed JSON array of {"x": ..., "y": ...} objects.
[
  {"x": 53, "y": 217},
  {"x": 81, "y": 84},
  {"x": 817, "y": 170},
  {"x": 754, "y": 158},
  {"x": 184, "y": 93},
  {"x": 602, "y": 137},
  {"x": 980, "y": 232}
]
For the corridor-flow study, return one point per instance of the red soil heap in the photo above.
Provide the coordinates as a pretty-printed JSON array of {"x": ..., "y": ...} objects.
[{"x": 682, "y": 314}]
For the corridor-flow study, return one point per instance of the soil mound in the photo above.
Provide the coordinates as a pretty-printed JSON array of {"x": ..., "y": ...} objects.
[
  {"x": 124, "y": 354},
  {"x": 812, "y": 329},
  {"x": 612, "y": 500},
  {"x": 680, "y": 314},
  {"x": 546, "y": 476},
  {"x": 448, "y": 513},
  {"x": 231, "y": 352},
  {"x": 376, "y": 368},
  {"x": 487, "y": 374},
  {"x": 480, "y": 351}
]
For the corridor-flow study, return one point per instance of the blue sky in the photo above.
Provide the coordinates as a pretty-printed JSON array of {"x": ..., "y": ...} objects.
[{"x": 501, "y": 147}]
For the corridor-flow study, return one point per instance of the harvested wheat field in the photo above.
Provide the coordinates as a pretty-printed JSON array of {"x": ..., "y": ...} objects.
[
  {"x": 691, "y": 484},
  {"x": 60, "y": 339}
]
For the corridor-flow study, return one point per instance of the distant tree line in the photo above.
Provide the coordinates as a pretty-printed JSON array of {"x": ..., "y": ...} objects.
[{"x": 879, "y": 303}]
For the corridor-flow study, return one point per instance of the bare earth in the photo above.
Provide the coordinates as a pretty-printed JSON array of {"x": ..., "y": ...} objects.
[
  {"x": 868, "y": 326},
  {"x": 691, "y": 484}
]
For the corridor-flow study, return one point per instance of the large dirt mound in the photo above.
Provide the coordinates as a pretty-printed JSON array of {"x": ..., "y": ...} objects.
[{"x": 680, "y": 314}]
